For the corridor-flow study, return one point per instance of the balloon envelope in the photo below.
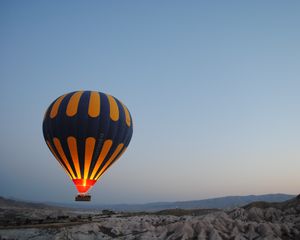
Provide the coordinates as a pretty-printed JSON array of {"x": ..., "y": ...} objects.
[{"x": 87, "y": 132}]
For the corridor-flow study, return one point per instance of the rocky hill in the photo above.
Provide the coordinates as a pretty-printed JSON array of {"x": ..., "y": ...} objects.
[{"x": 258, "y": 220}]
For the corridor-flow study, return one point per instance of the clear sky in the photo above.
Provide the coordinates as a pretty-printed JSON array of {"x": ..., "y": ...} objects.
[{"x": 213, "y": 88}]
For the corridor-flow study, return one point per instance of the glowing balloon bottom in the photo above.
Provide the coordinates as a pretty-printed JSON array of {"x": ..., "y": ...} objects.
[{"x": 83, "y": 185}]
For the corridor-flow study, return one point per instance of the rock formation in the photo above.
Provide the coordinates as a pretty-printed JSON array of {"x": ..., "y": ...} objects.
[{"x": 259, "y": 220}]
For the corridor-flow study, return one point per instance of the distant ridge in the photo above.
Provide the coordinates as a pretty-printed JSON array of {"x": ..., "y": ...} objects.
[
  {"x": 291, "y": 203},
  {"x": 220, "y": 203},
  {"x": 7, "y": 202}
]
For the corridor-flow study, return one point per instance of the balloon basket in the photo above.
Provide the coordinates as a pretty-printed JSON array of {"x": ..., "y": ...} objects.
[{"x": 83, "y": 198}]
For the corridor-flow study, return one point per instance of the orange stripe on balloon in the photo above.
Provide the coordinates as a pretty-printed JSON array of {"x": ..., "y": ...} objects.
[
  {"x": 55, "y": 107},
  {"x": 110, "y": 160},
  {"x": 57, "y": 158},
  {"x": 127, "y": 115},
  {"x": 63, "y": 156},
  {"x": 73, "y": 104},
  {"x": 105, "y": 149},
  {"x": 72, "y": 143},
  {"x": 94, "y": 105},
  {"x": 121, "y": 153},
  {"x": 88, "y": 155},
  {"x": 113, "y": 108}
]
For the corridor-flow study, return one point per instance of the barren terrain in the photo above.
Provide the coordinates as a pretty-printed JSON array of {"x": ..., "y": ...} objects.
[{"x": 259, "y": 220}]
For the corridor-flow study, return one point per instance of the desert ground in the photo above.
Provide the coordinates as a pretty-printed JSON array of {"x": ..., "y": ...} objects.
[{"x": 258, "y": 220}]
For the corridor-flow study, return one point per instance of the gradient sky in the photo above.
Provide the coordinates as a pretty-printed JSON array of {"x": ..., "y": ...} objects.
[{"x": 213, "y": 88}]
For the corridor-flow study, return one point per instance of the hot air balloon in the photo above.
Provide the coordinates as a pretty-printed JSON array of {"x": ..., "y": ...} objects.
[{"x": 87, "y": 131}]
